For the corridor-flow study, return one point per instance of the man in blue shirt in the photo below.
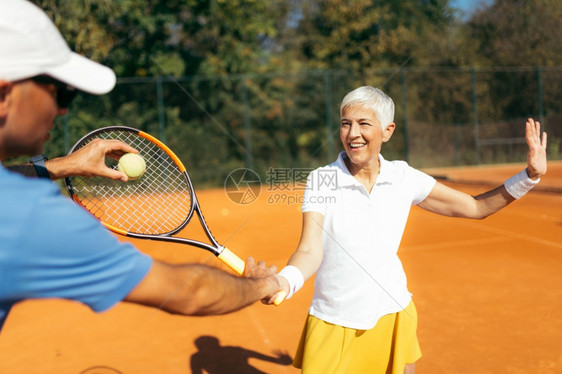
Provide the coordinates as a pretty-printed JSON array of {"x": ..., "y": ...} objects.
[{"x": 50, "y": 248}]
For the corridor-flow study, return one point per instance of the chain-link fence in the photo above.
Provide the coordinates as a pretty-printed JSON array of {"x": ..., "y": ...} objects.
[{"x": 216, "y": 124}]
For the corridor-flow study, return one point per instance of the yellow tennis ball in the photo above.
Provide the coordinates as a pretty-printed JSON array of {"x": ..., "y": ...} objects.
[{"x": 132, "y": 164}]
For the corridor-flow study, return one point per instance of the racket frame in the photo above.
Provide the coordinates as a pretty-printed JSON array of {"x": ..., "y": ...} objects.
[{"x": 223, "y": 253}]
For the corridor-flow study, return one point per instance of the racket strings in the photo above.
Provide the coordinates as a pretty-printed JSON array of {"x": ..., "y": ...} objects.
[{"x": 157, "y": 203}]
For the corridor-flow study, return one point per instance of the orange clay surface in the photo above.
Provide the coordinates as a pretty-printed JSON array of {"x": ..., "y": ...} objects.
[{"x": 488, "y": 293}]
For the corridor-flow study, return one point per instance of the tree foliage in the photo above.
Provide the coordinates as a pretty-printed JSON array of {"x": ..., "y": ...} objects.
[
  {"x": 517, "y": 33},
  {"x": 168, "y": 37},
  {"x": 363, "y": 34},
  {"x": 259, "y": 81}
]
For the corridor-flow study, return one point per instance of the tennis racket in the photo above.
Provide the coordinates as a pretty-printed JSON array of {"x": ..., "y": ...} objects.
[{"x": 156, "y": 206}]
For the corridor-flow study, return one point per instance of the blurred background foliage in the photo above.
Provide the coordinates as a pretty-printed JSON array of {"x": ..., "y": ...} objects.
[{"x": 257, "y": 83}]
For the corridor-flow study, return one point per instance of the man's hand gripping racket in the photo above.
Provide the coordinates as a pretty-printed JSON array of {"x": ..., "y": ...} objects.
[{"x": 156, "y": 206}]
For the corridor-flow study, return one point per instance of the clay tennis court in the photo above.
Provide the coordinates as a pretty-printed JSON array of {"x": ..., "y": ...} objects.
[{"x": 488, "y": 293}]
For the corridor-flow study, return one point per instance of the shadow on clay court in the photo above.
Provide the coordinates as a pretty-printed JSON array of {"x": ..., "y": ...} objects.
[
  {"x": 101, "y": 370},
  {"x": 213, "y": 358}
]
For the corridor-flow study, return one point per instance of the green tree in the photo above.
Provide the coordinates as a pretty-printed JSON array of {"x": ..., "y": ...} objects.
[
  {"x": 161, "y": 37},
  {"x": 377, "y": 42},
  {"x": 366, "y": 34},
  {"x": 517, "y": 33},
  {"x": 152, "y": 38}
]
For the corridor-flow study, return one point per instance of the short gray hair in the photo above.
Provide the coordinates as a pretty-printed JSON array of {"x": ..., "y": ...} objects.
[{"x": 372, "y": 98}]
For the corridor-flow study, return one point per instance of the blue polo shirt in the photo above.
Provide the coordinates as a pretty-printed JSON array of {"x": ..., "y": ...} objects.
[{"x": 51, "y": 248}]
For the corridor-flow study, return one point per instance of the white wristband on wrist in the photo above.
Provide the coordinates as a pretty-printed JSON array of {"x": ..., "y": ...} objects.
[
  {"x": 295, "y": 278},
  {"x": 518, "y": 185}
]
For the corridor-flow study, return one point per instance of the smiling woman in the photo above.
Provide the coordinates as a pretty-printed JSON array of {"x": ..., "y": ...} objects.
[
  {"x": 362, "y": 133},
  {"x": 362, "y": 317}
]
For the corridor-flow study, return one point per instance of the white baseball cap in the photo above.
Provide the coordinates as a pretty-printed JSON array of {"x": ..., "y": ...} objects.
[{"x": 31, "y": 45}]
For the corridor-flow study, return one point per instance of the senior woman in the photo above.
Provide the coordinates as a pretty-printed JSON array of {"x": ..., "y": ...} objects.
[{"x": 362, "y": 318}]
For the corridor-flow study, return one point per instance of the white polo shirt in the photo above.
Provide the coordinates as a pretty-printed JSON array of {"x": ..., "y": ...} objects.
[{"x": 361, "y": 277}]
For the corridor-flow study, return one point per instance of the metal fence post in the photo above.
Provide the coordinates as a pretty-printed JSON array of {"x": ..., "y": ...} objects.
[
  {"x": 328, "y": 98},
  {"x": 161, "y": 112},
  {"x": 405, "y": 110},
  {"x": 247, "y": 126},
  {"x": 475, "y": 116},
  {"x": 458, "y": 143},
  {"x": 66, "y": 133},
  {"x": 540, "y": 97}
]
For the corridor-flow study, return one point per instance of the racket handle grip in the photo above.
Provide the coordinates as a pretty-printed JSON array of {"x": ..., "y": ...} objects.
[
  {"x": 235, "y": 262},
  {"x": 280, "y": 298}
]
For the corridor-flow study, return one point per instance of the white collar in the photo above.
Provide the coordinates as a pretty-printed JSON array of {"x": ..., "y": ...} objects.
[{"x": 346, "y": 179}]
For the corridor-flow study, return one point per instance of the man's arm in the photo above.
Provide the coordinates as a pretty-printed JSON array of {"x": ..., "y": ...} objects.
[
  {"x": 197, "y": 289},
  {"x": 450, "y": 202},
  {"x": 88, "y": 161}
]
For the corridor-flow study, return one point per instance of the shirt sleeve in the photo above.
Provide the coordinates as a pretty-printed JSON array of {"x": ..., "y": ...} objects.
[
  {"x": 63, "y": 252},
  {"x": 422, "y": 183},
  {"x": 314, "y": 199}
]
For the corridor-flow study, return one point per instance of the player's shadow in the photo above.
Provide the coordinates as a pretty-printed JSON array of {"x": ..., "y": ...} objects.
[{"x": 212, "y": 358}]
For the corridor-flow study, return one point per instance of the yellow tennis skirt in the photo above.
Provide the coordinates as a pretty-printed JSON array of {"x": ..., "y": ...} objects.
[{"x": 386, "y": 348}]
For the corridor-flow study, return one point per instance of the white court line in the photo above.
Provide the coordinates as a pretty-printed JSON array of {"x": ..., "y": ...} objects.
[
  {"x": 259, "y": 327},
  {"x": 514, "y": 235},
  {"x": 455, "y": 243},
  {"x": 504, "y": 234},
  {"x": 537, "y": 216}
]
